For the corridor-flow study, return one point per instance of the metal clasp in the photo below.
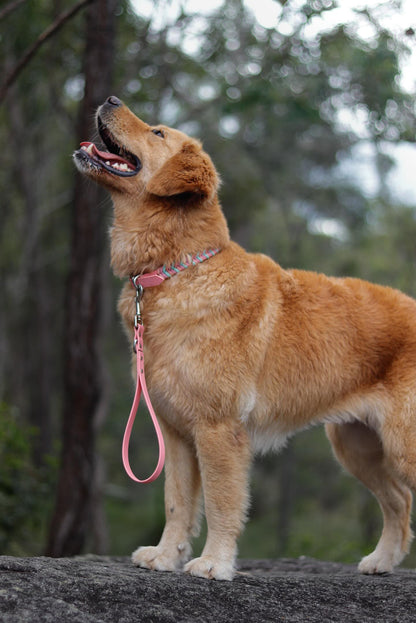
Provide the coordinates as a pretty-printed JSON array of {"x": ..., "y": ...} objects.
[
  {"x": 138, "y": 315},
  {"x": 139, "y": 294}
]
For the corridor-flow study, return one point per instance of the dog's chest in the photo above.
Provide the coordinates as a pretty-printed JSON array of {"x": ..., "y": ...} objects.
[{"x": 176, "y": 344}]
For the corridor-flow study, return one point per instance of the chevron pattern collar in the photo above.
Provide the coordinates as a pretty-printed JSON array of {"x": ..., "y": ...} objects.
[{"x": 158, "y": 276}]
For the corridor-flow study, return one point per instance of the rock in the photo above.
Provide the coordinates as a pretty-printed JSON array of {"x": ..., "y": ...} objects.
[{"x": 100, "y": 589}]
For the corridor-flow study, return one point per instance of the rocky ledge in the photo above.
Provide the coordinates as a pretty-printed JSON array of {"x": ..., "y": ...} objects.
[{"x": 100, "y": 589}]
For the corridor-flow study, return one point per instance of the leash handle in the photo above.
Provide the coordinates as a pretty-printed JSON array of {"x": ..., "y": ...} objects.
[{"x": 141, "y": 386}]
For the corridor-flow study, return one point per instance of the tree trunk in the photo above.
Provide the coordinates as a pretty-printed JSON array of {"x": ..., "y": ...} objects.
[{"x": 82, "y": 372}]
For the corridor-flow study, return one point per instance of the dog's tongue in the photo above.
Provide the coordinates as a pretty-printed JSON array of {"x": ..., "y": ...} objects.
[{"x": 104, "y": 155}]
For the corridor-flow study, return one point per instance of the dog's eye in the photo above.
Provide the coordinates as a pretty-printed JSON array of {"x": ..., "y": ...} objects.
[{"x": 159, "y": 133}]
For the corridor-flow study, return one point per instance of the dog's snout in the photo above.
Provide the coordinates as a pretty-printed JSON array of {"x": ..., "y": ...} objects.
[{"x": 114, "y": 101}]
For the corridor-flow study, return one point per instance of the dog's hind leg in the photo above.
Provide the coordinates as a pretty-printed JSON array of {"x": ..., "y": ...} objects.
[
  {"x": 360, "y": 451},
  {"x": 182, "y": 508}
]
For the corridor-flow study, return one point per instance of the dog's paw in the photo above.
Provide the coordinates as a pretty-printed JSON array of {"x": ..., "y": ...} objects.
[
  {"x": 161, "y": 559},
  {"x": 378, "y": 563},
  {"x": 210, "y": 568}
]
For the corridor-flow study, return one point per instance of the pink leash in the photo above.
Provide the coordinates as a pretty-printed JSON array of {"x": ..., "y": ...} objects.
[
  {"x": 141, "y": 386},
  {"x": 139, "y": 282}
]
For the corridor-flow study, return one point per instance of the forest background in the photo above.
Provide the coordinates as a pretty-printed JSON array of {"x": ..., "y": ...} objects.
[{"x": 302, "y": 120}]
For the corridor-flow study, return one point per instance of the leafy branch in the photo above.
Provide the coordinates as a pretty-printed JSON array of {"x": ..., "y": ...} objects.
[
  {"x": 9, "y": 8},
  {"x": 32, "y": 50}
]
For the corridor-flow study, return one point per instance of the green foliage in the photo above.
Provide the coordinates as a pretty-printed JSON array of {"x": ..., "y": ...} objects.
[
  {"x": 25, "y": 488},
  {"x": 134, "y": 518}
]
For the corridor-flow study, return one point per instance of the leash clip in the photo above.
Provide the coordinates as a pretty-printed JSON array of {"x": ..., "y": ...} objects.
[
  {"x": 138, "y": 322},
  {"x": 139, "y": 294}
]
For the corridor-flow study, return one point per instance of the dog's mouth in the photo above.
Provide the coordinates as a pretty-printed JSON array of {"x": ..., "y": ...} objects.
[{"x": 117, "y": 160}]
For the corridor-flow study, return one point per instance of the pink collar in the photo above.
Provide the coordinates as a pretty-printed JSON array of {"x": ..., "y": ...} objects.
[{"x": 155, "y": 278}]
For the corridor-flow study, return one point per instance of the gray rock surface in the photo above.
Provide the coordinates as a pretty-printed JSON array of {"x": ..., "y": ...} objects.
[{"x": 110, "y": 590}]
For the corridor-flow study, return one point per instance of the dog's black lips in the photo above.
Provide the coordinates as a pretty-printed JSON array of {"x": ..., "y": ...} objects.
[{"x": 126, "y": 164}]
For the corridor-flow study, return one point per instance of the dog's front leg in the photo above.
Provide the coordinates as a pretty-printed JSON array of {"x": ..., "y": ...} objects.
[
  {"x": 182, "y": 501},
  {"x": 224, "y": 458}
]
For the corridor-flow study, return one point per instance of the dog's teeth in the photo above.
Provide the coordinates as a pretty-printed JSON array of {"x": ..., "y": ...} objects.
[
  {"x": 120, "y": 166},
  {"x": 89, "y": 149}
]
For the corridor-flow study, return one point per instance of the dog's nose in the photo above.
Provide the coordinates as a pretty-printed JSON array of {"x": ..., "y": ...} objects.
[{"x": 114, "y": 101}]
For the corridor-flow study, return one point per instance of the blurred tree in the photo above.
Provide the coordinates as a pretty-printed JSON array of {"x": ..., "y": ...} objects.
[
  {"x": 82, "y": 371},
  {"x": 52, "y": 29},
  {"x": 24, "y": 486},
  {"x": 32, "y": 237}
]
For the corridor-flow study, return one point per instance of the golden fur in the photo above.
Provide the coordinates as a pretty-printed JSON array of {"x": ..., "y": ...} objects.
[{"x": 240, "y": 354}]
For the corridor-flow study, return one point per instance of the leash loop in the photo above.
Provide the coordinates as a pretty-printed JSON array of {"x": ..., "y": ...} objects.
[{"x": 141, "y": 387}]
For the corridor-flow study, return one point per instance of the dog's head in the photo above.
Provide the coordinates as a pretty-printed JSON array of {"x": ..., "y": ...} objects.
[
  {"x": 141, "y": 158},
  {"x": 163, "y": 187}
]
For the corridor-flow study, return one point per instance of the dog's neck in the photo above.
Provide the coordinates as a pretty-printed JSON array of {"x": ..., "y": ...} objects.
[{"x": 153, "y": 236}]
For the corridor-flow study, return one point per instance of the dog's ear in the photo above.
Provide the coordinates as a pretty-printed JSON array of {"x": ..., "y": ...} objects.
[{"x": 189, "y": 171}]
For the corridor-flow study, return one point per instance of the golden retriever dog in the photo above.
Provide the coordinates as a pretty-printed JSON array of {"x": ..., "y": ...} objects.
[{"x": 240, "y": 353}]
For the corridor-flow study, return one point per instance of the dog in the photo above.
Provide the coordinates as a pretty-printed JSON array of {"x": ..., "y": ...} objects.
[{"x": 240, "y": 353}]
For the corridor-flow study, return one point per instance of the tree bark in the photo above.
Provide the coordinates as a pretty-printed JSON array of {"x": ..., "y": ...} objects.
[{"x": 82, "y": 370}]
